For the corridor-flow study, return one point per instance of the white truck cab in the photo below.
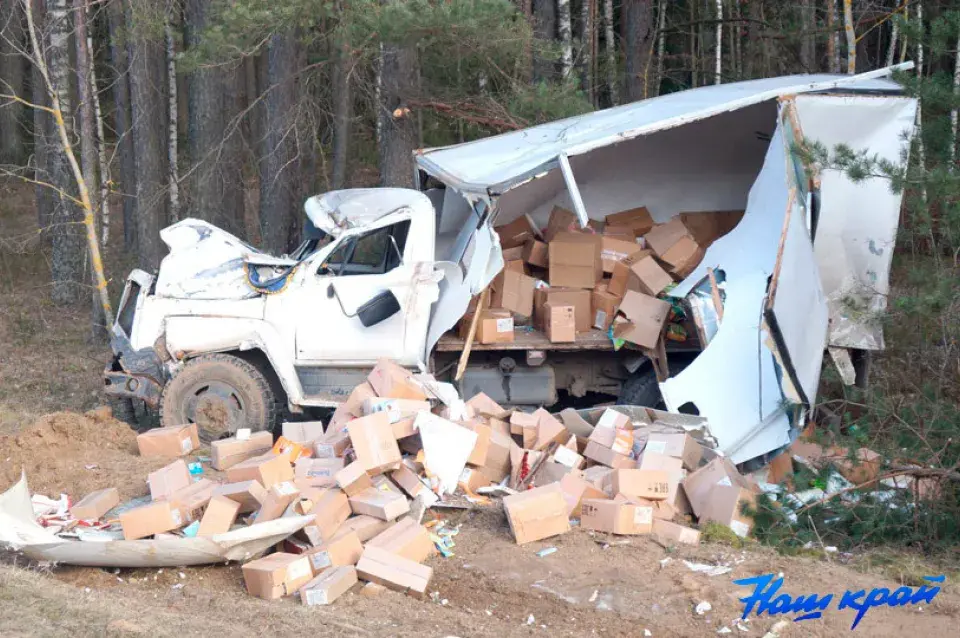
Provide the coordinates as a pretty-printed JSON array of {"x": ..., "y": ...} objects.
[{"x": 227, "y": 336}]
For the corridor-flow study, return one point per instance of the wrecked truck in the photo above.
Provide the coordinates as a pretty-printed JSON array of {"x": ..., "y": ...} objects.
[{"x": 226, "y": 336}]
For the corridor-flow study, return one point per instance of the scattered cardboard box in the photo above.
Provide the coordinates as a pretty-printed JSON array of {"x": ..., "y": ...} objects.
[
  {"x": 276, "y": 575},
  {"x": 219, "y": 516},
  {"x": 672, "y": 465},
  {"x": 147, "y": 520},
  {"x": 605, "y": 456},
  {"x": 493, "y": 326},
  {"x": 603, "y": 308},
  {"x": 668, "y": 533},
  {"x": 329, "y": 585},
  {"x": 717, "y": 492},
  {"x": 393, "y": 381},
  {"x": 536, "y": 514},
  {"x": 226, "y": 453},
  {"x": 374, "y": 444},
  {"x": 269, "y": 469},
  {"x": 248, "y": 494},
  {"x": 513, "y": 291},
  {"x": 333, "y": 444},
  {"x": 351, "y": 408},
  {"x": 278, "y": 498},
  {"x": 646, "y": 315},
  {"x": 343, "y": 549},
  {"x": 651, "y": 485},
  {"x": 330, "y": 510},
  {"x": 578, "y": 298},
  {"x": 864, "y": 467},
  {"x": 302, "y": 431},
  {"x": 614, "y": 250},
  {"x": 536, "y": 254},
  {"x": 353, "y": 478},
  {"x": 168, "y": 479},
  {"x": 617, "y": 516},
  {"x": 172, "y": 441},
  {"x": 192, "y": 499},
  {"x": 518, "y": 232},
  {"x": 408, "y": 480},
  {"x": 676, "y": 444},
  {"x": 406, "y": 538},
  {"x": 707, "y": 227},
  {"x": 575, "y": 489},
  {"x": 383, "y": 504},
  {"x": 394, "y": 572},
  {"x": 637, "y": 219},
  {"x": 317, "y": 472},
  {"x": 683, "y": 257},
  {"x": 639, "y": 272},
  {"x": 562, "y": 220},
  {"x": 662, "y": 237},
  {"x": 95, "y": 504},
  {"x": 575, "y": 260},
  {"x": 560, "y": 323}
]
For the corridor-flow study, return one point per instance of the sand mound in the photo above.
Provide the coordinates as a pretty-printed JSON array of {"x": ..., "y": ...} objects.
[{"x": 57, "y": 450}]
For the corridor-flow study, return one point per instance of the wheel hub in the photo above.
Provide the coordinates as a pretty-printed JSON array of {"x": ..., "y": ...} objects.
[{"x": 215, "y": 407}]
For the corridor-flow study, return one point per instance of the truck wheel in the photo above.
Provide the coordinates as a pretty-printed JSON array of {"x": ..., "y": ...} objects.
[
  {"x": 641, "y": 389},
  {"x": 220, "y": 393}
]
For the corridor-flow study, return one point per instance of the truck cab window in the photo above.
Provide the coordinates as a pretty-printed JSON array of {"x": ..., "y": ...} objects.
[{"x": 374, "y": 253}]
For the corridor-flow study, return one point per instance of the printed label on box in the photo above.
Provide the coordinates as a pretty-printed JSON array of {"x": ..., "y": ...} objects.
[
  {"x": 643, "y": 516},
  {"x": 600, "y": 320},
  {"x": 740, "y": 528},
  {"x": 317, "y": 597},
  {"x": 286, "y": 488},
  {"x": 186, "y": 444},
  {"x": 465, "y": 475},
  {"x": 608, "y": 419},
  {"x": 320, "y": 560},
  {"x": 566, "y": 456},
  {"x": 725, "y": 481},
  {"x": 657, "y": 447},
  {"x": 298, "y": 569},
  {"x": 324, "y": 450},
  {"x": 505, "y": 325},
  {"x": 176, "y": 518},
  {"x": 243, "y": 434}
]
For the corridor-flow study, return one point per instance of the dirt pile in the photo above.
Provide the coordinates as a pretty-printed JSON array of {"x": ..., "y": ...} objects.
[{"x": 71, "y": 453}]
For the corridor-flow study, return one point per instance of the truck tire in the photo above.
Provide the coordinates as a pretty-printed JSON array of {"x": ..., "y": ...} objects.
[
  {"x": 220, "y": 393},
  {"x": 641, "y": 389}
]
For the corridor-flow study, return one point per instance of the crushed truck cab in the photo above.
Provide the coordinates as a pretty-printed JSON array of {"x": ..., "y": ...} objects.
[{"x": 226, "y": 336}]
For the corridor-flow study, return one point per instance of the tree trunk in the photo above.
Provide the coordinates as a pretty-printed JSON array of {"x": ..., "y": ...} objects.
[
  {"x": 833, "y": 38},
  {"x": 610, "y": 49},
  {"x": 694, "y": 30},
  {"x": 754, "y": 46},
  {"x": 89, "y": 157},
  {"x": 718, "y": 60},
  {"x": 43, "y": 144},
  {"x": 148, "y": 106},
  {"x": 124, "y": 132},
  {"x": 173, "y": 177},
  {"x": 808, "y": 43},
  {"x": 851, "y": 37},
  {"x": 661, "y": 43},
  {"x": 342, "y": 108},
  {"x": 565, "y": 32},
  {"x": 279, "y": 166},
  {"x": 586, "y": 48},
  {"x": 104, "y": 167},
  {"x": 637, "y": 23},
  {"x": 892, "y": 48},
  {"x": 544, "y": 31},
  {"x": 953, "y": 111},
  {"x": 12, "y": 149},
  {"x": 214, "y": 186},
  {"x": 67, "y": 238},
  {"x": 399, "y": 75}
]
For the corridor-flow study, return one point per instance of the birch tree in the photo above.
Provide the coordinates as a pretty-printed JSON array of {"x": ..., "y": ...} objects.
[
  {"x": 718, "y": 63},
  {"x": 851, "y": 37},
  {"x": 173, "y": 177},
  {"x": 586, "y": 47},
  {"x": 833, "y": 38},
  {"x": 565, "y": 33},
  {"x": 661, "y": 42},
  {"x": 12, "y": 147},
  {"x": 953, "y": 111},
  {"x": 610, "y": 50}
]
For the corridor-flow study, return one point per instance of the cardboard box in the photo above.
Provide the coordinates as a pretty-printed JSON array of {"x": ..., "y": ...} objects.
[
  {"x": 647, "y": 316},
  {"x": 406, "y": 538},
  {"x": 191, "y": 500},
  {"x": 374, "y": 444},
  {"x": 683, "y": 257},
  {"x": 611, "y": 419},
  {"x": 168, "y": 479},
  {"x": 353, "y": 478},
  {"x": 394, "y": 572},
  {"x": 226, "y": 453},
  {"x": 329, "y": 585},
  {"x": 483, "y": 405},
  {"x": 512, "y": 290},
  {"x": 639, "y": 272},
  {"x": 248, "y": 494},
  {"x": 147, "y": 520},
  {"x": 597, "y": 475},
  {"x": 668, "y": 533},
  {"x": 497, "y": 465},
  {"x": 575, "y": 260},
  {"x": 603, "y": 308},
  {"x": 579, "y": 299},
  {"x": 864, "y": 467},
  {"x": 480, "y": 449},
  {"x": 717, "y": 491},
  {"x": 537, "y": 513},
  {"x": 330, "y": 510},
  {"x": 390, "y": 380},
  {"x": 396, "y": 409},
  {"x": 341, "y": 550},
  {"x": 94, "y": 505},
  {"x": 605, "y": 456},
  {"x": 614, "y": 250},
  {"x": 471, "y": 479},
  {"x": 317, "y": 472},
  {"x": 524, "y": 426},
  {"x": 365, "y": 526},
  {"x": 278, "y": 498},
  {"x": 637, "y": 219},
  {"x": 408, "y": 481},
  {"x": 575, "y": 489},
  {"x": 549, "y": 430},
  {"x": 172, "y": 441},
  {"x": 382, "y": 504},
  {"x": 509, "y": 255},
  {"x": 269, "y": 469},
  {"x": 219, "y": 516},
  {"x": 536, "y": 254},
  {"x": 514, "y": 265},
  {"x": 302, "y": 431},
  {"x": 292, "y": 450},
  {"x": 518, "y": 232},
  {"x": 664, "y": 510},
  {"x": 563, "y": 220},
  {"x": 652, "y": 485},
  {"x": 351, "y": 408},
  {"x": 560, "y": 323},
  {"x": 567, "y": 457},
  {"x": 707, "y": 227},
  {"x": 678, "y": 445},
  {"x": 333, "y": 444},
  {"x": 662, "y": 237},
  {"x": 672, "y": 465},
  {"x": 276, "y": 575},
  {"x": 494, "y": 326},
  {"x": 617, "y": 516}
]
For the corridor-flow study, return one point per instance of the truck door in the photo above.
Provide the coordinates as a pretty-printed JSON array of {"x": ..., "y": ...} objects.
[{"x": 329, "y": 323}]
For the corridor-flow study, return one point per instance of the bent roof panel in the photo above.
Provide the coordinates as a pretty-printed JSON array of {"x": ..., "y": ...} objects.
[{"x": 496, "y": 164}]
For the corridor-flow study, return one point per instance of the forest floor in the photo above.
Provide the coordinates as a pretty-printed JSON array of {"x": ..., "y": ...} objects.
[{"x": 491, "y": 587}]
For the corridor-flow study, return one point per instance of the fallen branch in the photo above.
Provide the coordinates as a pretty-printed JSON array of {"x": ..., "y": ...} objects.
[
  {"x": 919, "y": 472},
  {"x": 463, "y": 112}
]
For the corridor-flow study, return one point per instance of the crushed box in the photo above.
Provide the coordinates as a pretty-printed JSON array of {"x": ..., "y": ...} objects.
[
  {"x": 575, "y": 489},
  {"x": 172, "y": 441},
  {"x": 669, "y": 533},
  {"x": 226, "y": 453},
  {"x": 249, "y": 494},
  {"x": 639, "y": 272},
  {"x": 394, "y": 572},
  {"x": 329, "y": 585},
  {"x": 605, "y": 456},
  {"x": 575, "y": 260},
  {"x": 518, "y": 232},
  {"x": 276, "y": 575},
  {"x": 646, "y": 317},
  {"x": 191, "y": 499},
  {"x": 716, "y": 492},
  {"x": 603, "y": 308},
  {"x": 537, "y": 513},
  {"x": 95, "y": 504},
  {"x": 535, "y": 253}
]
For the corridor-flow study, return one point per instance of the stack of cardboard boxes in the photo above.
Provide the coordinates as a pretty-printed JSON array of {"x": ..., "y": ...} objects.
[
  {"x": 610, "y": 274},
  {"x": 394, "y": 441}
]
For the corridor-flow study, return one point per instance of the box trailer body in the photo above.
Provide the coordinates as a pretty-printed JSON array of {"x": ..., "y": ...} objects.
[{"x": 389, "y": 272}]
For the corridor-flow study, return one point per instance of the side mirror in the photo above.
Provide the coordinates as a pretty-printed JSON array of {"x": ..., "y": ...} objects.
[{"x": 378, "y": 309}]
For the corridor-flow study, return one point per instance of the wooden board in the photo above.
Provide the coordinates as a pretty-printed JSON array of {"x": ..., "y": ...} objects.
[{"x": 530, "y": 340}]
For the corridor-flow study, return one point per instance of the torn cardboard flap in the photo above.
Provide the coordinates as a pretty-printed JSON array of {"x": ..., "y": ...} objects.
[
  {"x": 646, "y": 317},
  {"x": 446, "y": 448}
]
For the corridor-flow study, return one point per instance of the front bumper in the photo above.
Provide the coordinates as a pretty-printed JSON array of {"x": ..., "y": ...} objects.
[{"x": 124, "y": 385}]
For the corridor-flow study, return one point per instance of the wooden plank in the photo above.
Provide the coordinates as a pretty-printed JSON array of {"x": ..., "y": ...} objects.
[
  {"x": 471, "y": 335},
  {"x": 530, "y": 340}
]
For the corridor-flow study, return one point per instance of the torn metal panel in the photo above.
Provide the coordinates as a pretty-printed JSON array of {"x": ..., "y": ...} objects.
[
  {"x": 19, "y": 531},
  {"x": 857, "y": 225},
  {"x": 338, "y": 211}
]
